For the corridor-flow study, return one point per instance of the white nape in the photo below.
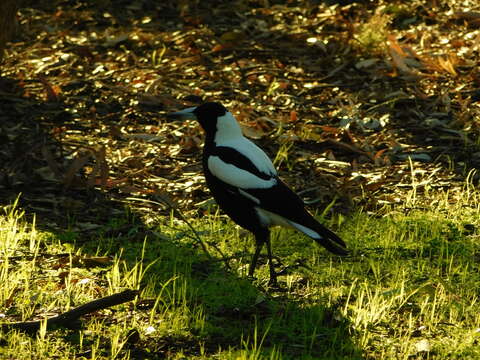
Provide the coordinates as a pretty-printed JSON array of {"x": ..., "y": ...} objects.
[{"x": 227, "y": 128}]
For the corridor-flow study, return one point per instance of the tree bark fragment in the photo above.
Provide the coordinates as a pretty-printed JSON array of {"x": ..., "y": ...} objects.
[{"x": 68, "y": 318}]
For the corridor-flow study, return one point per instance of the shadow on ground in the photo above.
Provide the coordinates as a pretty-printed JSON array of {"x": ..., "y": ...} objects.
[{"x": 35, "y": 167}]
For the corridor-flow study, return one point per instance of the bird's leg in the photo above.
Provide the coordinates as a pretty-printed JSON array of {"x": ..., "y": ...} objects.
[
  {"x": 273, "y": 274},
  {"x": 259, "y": 241}
]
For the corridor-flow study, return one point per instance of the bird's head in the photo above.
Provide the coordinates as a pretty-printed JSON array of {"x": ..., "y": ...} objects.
[{"x": 214, "y": 118}]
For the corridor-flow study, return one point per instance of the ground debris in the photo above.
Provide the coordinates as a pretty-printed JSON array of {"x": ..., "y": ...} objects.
[{"x": 86, "y": 91}]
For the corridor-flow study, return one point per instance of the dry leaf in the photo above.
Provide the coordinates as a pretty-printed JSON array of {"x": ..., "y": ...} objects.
[{"x": 79, "y": 162}]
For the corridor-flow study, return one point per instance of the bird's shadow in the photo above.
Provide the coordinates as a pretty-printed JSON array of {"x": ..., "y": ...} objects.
[{"x": 247, "y": 315}]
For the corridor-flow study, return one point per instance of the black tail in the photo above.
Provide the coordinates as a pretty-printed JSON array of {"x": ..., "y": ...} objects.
[
  {"x": 330, "y": 241},
  {"x": 325, "y": 237}
]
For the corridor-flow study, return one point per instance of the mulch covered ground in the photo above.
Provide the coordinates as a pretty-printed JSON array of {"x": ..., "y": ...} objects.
[{"x": 357, "y": 102}]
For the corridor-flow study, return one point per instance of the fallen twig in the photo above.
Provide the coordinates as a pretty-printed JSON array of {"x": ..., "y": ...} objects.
[
  {"x": 67, "y": 318},
  {"x": 31, "y": 257}
]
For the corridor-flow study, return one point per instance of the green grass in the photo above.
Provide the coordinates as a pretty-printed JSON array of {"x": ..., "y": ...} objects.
[{"x": 409, "y": 291}]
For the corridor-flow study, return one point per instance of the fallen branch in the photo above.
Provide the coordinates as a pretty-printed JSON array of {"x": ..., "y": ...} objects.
[
  {"x": 31, "y": 257},
  {"x": 67, "y": 318}
]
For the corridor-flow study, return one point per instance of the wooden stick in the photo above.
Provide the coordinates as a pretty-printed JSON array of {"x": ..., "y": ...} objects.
[{"x": 67, "y": 318}]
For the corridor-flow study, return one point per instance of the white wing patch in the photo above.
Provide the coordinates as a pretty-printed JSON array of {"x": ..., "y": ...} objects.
[
  {"x": 305, "y": 230},
  {"x": 235, "y": 176},
  {"x": 249, "y": 196},
  {"x": 251, "y": 152},
  {"x": 269, "y": 218}
]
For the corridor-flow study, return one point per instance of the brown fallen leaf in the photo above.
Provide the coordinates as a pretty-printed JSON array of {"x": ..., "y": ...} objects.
[
  {"x": 100, "y": 169},
  {"x": 79, "y": 162},
  {"x": 293, "y": 116},
  {"x": 399, "y": 57},
  {"x": 448, "y": 63},
  {"x": 52, "y": 92}
]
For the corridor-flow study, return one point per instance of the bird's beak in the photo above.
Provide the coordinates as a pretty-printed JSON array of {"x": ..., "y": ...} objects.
[{"x": 183, "y": 114}]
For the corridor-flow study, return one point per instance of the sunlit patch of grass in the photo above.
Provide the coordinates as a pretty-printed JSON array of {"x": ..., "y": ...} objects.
[
  {"x": 409, "y": 289},
  {"x": 40, "y": 277},
  {"x": 405, "y": 291},
  {"x": 282, "y": 157},
  {"x": 416, "y": 289}
]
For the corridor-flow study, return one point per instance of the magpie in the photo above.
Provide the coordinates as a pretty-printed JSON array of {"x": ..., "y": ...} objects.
[{"x": 246, "y": 186}]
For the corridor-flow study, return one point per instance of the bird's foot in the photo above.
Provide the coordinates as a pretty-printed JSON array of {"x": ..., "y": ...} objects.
[{"x": 273, "y": 283}]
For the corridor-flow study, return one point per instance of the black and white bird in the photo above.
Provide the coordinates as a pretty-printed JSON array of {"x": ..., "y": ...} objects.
[{"x": 245, "y": 184}]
